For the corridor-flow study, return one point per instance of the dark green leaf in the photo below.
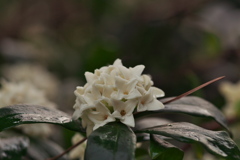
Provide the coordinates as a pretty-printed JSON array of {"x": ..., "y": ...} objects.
[
  {"x": 114, "y": 141},
  {"x": 216, "y": 142},
  {"x": 24, "y": 114},
  {"x": 191, "y": 105},
  {"x": 162, "y": 150},
  {"x": 141, "y": 154},
  {"x": 41, "y": 149},
  {"x": 147, "y": 122},
  {"x": 13, "y": 148}
]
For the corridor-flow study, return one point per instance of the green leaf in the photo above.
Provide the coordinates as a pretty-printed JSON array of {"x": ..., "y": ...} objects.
[
  {"x": 41, "y": 149},
  {"x": 141, "y": 154},
  {"x": 216, "y": 142},
  {"x": 148, "y": 122},
  {"x": 162, "y": 150},
  {"x": 191, "y": 105},
  {"x": 13, "y": 147},
  {"x": 113, "y": 141},
  {"x": 24, "y": 114}
]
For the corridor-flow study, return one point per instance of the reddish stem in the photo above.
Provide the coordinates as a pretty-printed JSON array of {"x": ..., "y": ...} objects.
[
  {"x": 69, "y": 149},
  {"x": 193, "y": 90}
]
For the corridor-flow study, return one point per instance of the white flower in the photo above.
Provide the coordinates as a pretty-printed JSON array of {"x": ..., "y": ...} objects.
[
  {"x": 123, "y": 111},
  {"x": 148, "y": 100},
  {"x": 35, "y": 74},
  {"x": 231, "y": 93},
  {"x": 22, "y": 93},
  {"x": 78, "y": 152},
  {"x": 115, "y": 92},
  {"x": 87, "y": 123},
  {"x": 100, "y": 115},
  {"x": 126, "y": 89},
  {"x": 26, "y": 93}
]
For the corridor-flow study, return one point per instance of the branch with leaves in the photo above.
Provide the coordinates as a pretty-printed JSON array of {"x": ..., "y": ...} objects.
[{"x": 115, "y": 137}]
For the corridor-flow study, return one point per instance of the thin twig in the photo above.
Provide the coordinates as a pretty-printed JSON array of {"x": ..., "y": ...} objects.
[
  {"x": 69, "y": 149},
  {"x": 193, "y": 90}
]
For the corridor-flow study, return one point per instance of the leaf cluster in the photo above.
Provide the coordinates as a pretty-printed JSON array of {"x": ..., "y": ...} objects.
[{"x": 118, "y": 141}]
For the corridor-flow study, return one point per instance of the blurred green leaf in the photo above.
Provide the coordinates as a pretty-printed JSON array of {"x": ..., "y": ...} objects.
[
  {"x": 162, "y": 150},
  {"x": 99, "y": 54},
  {"x": 210, "y": 46},
  {"x": 25, "y": 114},
  {"x": 113, "y": 141},
  {"x": 41, "y": 149},
  {"x": 141, "y": 154},
  {"x": 237, "y": 107},
  {"x": 216, "y": 142},
  {"x": 191, "y": 105},
  {"x": 13, "y": 148}
]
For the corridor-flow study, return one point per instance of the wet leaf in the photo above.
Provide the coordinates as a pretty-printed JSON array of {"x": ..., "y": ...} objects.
[
  {"x": 24, "y": 114},
  {"x": 216, "y": 142},
  {"x": 162, "y": 150},
  {"x": 113, "y": 141},
  {"x": 147, "y": 122},
  {"x": 13, "y": 148},
  {"x": 191, "y": 105}
]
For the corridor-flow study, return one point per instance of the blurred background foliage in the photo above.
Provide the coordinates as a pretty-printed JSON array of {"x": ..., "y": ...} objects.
[{"x": 182, "y": 43}]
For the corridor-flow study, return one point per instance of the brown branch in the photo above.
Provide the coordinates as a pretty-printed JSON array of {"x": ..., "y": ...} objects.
[
  {"x": 69, "y": 149},
  {"x": 193, "y": 90}
]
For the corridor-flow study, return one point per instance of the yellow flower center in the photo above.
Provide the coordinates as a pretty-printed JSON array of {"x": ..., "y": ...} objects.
[
  {"x": 123, "y": 112},
  {"x": 126, "y": 93},
  {"x": 105, "y": 117}
]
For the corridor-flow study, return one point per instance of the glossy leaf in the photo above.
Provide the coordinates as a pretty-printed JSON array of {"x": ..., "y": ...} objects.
[
  {"x": 13, "y": 147},
  {"x": 216, "y": 142},
  {"x": 162, "y": 150},
  {"x": 147, "y": 122},
  {"x": 114, "y": 141},
  {"x": 24, "y": 114},
  {"x": 191, "y": 105}
]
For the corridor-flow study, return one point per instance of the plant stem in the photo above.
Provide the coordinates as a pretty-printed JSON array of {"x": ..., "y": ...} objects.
[
  {"x": 67, "y": 150},
  {"x": 188, "y": 92},
  {"x": 193, "y": 90}
]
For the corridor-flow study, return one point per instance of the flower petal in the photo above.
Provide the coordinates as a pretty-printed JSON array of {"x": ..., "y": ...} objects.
[
  {"x": 157, "y": 92},
  {"x": 154, "y": 105},
  {"x": 90, "y": 77},
  {"x": 77, "y": 113},
  {"x": 137, "y": 70},
  {"x": 109, "y": 119},
  {"x": 129, "y": 120},
  {"x": 117, "y": 62}
]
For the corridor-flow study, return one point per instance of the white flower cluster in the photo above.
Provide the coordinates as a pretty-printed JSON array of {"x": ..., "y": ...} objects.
[
  {"x": 115, "y": 92},
  {"x": 35, "y": 74},
  {"x": 26, "y": 93},
  {"x": 231, "y": 93}
]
